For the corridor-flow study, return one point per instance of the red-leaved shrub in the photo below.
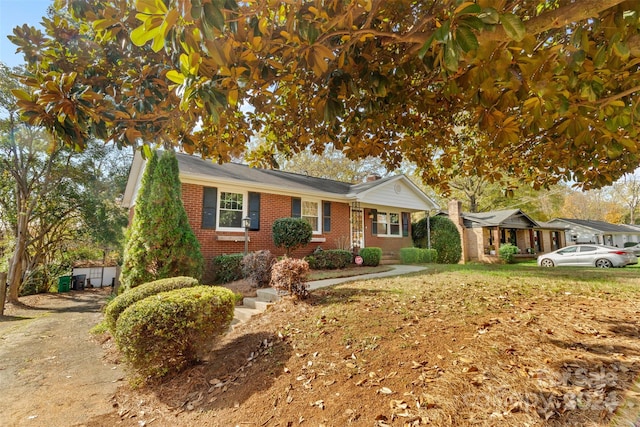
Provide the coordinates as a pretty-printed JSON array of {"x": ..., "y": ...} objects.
[{"x": 289, "y": 275}]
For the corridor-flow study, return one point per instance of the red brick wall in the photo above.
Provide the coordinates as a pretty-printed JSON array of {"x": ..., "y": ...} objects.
[
  {"x": 389, "y": 245},
  {"x": 272, "y": 207}
]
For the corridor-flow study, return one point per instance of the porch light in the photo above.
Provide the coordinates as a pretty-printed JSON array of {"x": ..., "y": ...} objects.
[{"x": 246, "y": 223}]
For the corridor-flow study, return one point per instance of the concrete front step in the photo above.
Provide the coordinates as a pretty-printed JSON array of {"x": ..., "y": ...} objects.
[
  {"x": 256, "y": 304},
  {"x": 243, "y": 313}
]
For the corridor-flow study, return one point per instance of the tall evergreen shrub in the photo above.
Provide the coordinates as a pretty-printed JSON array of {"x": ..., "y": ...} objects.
[
  {"x": 134, "y": 271},
  {"x": 169, "y": 247}
]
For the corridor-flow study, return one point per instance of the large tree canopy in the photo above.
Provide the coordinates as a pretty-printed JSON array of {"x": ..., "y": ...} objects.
[{"x": 551, "y": 86}]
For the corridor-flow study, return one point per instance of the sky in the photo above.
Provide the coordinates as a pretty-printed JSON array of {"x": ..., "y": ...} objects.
[{"x": 14, "y": 13}]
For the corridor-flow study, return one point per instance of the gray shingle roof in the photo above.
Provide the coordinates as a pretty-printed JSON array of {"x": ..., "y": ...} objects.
[
  {"x": 192, "y": 165},
  {"x": 497, "y": 218},
  {"x": 603, "y": 226}
]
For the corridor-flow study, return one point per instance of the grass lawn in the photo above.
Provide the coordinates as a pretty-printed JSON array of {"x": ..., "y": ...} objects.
[{"x": 475, "y": 344}]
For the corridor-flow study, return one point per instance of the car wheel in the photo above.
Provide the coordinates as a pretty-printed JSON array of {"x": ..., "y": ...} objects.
[
  {"x": 546, "y": 263},
  {"x": 603, "y": 263}
]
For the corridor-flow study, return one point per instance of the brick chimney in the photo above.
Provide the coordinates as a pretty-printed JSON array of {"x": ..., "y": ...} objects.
[
  {"x": 455, "y": 215},
  {"x": 372, "y": 177}
]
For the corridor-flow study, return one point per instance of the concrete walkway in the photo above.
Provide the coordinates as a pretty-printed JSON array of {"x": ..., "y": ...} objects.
[
  {"x": 398, "y": 270},
  {"x": 267, "y": 296}
]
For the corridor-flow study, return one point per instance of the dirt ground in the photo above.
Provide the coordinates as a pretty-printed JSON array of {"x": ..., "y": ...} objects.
[
  {"x": 53, "y": 373},
  {"x": 443, "y": 349}
]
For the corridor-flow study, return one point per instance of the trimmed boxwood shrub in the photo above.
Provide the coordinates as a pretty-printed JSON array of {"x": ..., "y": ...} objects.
[
  {"x": 163, "y": 333},
  {"x": 256, "y": 267},
  {"x": 227, "y": 268},
  {"x": 290, "y": 275},
  {"x": 507, "y": 252},
  {"x": 130, "y": 296},
  {"x": 291, "y": 233},
  {"x": 445, "y": 238},
  {"x": 371, "y": 256},
  {"x": 330, "y": 259},
  {"x": 417, "y": 255}
]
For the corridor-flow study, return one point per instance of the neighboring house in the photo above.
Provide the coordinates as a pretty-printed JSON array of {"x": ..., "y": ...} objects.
[
  {"x": 482, "y": 233},
  {"x": 347, "y": 216},
  {"x": 589, "y": 231}
]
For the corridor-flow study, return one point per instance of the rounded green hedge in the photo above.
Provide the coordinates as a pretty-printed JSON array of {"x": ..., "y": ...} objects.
[
  {"x": 168, "y": 331},
  {"x": 417, "y": 255},
  {"x": 331, "y": 259},
  {"x": 291, "y": 233},
  {"x": 445, "y": 238},
  {"x": 130, "y": 296},
  {"x": 371, "y": 256}
]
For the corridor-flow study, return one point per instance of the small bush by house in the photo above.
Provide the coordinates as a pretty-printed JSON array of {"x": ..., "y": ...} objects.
[
  {"x": 227, "y": 268},
  {"x": 330, "y": 259},
  {"x": 163, "y": 333},
  {"x": 290, "y": 275},
  {"x": 371, "y": 256},
  {"x": 117, "y": 305},
  {"x": 291, "y": 233},
  {"x": 256, "y": 267},
  {"x": 507, "y": 252},
  {"x": 417, "y": 255}
]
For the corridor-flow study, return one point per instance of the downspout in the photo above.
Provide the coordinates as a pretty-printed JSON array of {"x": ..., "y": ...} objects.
[{"x": 429, "y": 229}]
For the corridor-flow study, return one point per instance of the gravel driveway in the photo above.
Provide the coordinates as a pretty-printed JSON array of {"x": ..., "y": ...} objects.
[{"x": 53, "y": 372}]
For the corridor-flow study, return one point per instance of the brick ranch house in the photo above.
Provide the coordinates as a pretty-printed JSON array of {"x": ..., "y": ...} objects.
[{"x": 375, "y": 213}]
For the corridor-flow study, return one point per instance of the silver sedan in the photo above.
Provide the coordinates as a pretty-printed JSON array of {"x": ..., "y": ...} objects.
[{"x": 588, "y": 255}]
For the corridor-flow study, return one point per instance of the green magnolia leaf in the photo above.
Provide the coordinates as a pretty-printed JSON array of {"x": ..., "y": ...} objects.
[
  {"x": 451, "y": 57},
  {"x": 425, "y": 47},
  {"x": 600, "y": 58},
  {"x": 621, "y": 50},
  {"x": 467, "y": 8},
  {"x": 489, "y": 16},
  {"x": 21, "y": 94},
  {"x": 442, "y": 34},
  {"x": 213, "y": 16},
  {"x": 471, "y": 21},
  {"x": 513, "y": 26},
  {"x": 466, "y": 39}
]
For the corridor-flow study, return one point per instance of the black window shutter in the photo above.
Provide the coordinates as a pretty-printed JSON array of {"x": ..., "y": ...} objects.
[
  {"x": 254, "y": 211},
  {"x": 374, "y": 221},
  {"x": 296, "y": 207},
  {"x": 209, "y": 207},
  {"x": 326, "y": 215},
  {"x": 405, "y": 224}
]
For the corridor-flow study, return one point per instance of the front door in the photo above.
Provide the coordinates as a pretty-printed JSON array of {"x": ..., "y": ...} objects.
[{"x": 357, "y": 227}]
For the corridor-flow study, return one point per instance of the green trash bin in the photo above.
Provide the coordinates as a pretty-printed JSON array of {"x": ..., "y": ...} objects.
[{"x": 63, "y": 283}]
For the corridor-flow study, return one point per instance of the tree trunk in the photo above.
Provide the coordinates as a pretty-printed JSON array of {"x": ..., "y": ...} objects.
[
  {"x": 3, "y": 291},
  {"x": 17, "y": 260},
  {"x": 473, "y": 204}
]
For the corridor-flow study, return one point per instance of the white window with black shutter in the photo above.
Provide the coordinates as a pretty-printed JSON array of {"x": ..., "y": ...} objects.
[
  {"x": 223, "y": 209},
  {"x": 386, "y": 224},
  {"x": 309, "y": 210}
]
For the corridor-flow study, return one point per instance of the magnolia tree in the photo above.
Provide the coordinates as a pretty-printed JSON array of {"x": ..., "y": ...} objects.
[{"x": 549, "y": 89}]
